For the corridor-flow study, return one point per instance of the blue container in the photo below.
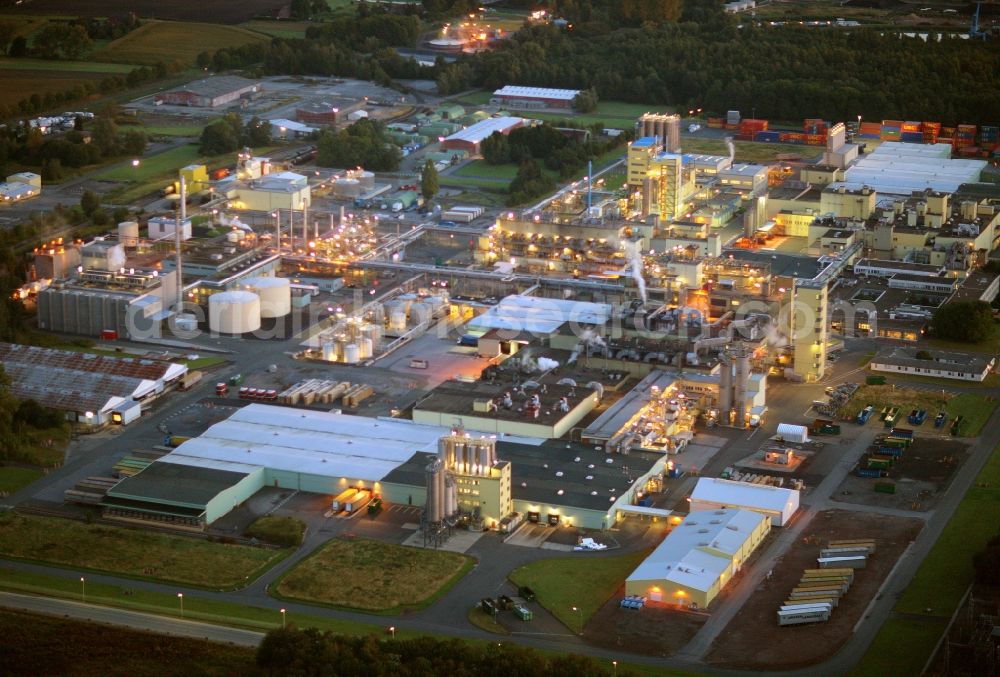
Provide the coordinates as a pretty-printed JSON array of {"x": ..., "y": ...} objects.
[
  {"x": 869, "y": 136},
  {"x": 912, "y": 137},
  {"x": 768, "y": 136}
]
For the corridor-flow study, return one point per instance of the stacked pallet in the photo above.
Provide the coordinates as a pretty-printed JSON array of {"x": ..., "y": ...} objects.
[
  {"x": 851, "y": 553},
  {"x": 90, "y": 491},
  {"x": 357, "y": 395},
  {"x": 314, "y": 390},
  {"x": 130, "y": 465}
]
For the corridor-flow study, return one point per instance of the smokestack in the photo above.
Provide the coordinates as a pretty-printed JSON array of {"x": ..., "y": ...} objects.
[
  {"x": 183, "y": 196},
  {"x": 178, "y": 258},
  {"x": 277, "y": 230},
  {"x": 726, "y": 391},
  {"x": 742, "y": 379},
  {"x": 305, "y": 227}
]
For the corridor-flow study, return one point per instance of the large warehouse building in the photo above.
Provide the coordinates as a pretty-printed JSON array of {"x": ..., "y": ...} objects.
[
  {"x": 777, "y": 503},
  {"x": 90, "y": 389},
  {"x": 272, "y": 446},
  {"x": 530, "y": 98},
  {"x": 472, "y": 136},
  {"x": 696, "y": 560},
  {"x": 210, "y": 93}
]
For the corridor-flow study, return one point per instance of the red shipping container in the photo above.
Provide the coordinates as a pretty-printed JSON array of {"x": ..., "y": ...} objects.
[
  {"x": 911, "y": 126},
  {"x": 816, "y": 139},
  {"x": 870, "y": 128},
  {"x": 931, "y": 125},
  {"x": 892, "y": 123}
]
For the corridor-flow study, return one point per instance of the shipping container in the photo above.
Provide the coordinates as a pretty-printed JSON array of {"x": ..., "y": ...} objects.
[
  {"x": 816, "y": 139},
  {"x": 767, "y": 137},
  {"x": 870, "y": 127},
  {"x": 912, "y": 137},
  {"x": 911, "y": 127},
  {"x": 892, "y": 123}
]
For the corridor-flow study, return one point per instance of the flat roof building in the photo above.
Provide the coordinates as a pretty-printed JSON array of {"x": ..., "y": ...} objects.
[
  {"x": 696, "y": 560},
  {"x": 896, "y": 168},
  {"x": 777, "y": 503},
  {"x": 210, "y": 92},
  {"x": 526, "y": 98}
]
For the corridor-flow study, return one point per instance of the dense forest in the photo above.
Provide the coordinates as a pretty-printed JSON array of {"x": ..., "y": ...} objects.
[
  {"x": 786, "y": 72},
  {"x": 634, "y": 50}
]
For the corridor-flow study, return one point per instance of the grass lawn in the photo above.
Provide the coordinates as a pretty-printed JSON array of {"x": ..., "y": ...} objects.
[
  {"x": 153, "y": 166},
  {"x": 866, "y": 358},
  {"x": 484, "y": 621},
  {"x": 45, "y": 645},
  {"x": 172, "y": 40},
  {"x": 476, "y": 98},
  {"x": 63, "y": 66},
  {"x": 173, "y": 130},
  {"x": 132, "y": 552},
  {"x": 483, "y": 169},
  {"x": 373, "y": 576},
  {"x": 286, "y": 531},
  {"x": 205, "y": 362},
  {"x": 584, "y": 582},
  {"x": 975, "y": 408},
  {"x": 13, "y": 479},
  {"x": 44, "y": 448},
  {"x": 884, "y": 656},
  {"x": 990, "y": 345},
  {"x": 940, "y": 582}
]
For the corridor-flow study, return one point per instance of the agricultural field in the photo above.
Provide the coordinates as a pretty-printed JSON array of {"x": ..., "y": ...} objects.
[
  {"x": 172, "y": 41},
  {"x": 36, "y": 644},
  {"x": 373, "y": 576},
  {"x": 905, "y": 642},
  {"x": 61, "y": 66},
  {"x": 132, "y": 552},
  {"x": 754, "y": 641},
  {"x": 278, "y": 29},
  {"x": 216, "y": 11},
  {"x": 17, "y": 84},
  {"x": 595, "y": 580}
]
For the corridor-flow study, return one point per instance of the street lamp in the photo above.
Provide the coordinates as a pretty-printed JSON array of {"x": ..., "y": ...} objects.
[
  {"x": 580, "y": 619},
  {"x": 614, "y": 666},
  {"x": 83, "y": 589},
  {"x": 180, "y": 596},
  {"x": 282, "y": 619},
  {"x": 392, "y": 631},
  {"x": 135, "y": 163}
]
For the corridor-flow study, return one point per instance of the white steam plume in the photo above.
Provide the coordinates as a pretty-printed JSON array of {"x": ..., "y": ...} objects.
[
  {"x": 732, "y": 148},
  {"x": 634, "y": 257},
  {"x": 546, "y": 364}
]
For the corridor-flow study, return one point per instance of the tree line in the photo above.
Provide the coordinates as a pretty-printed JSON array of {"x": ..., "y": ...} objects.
[
  {"x": 308, "y": 652},
  {"x": 362, "y": 144},
  {"x": 230, "y": 133}
]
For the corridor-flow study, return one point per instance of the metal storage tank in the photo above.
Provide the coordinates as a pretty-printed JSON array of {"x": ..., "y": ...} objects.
[
  {"x": 366, "y": 348},
  {"x": 275, "y": 295},
  {"x": 397, "y": 320},
  {"x": 352, "y": 353},
  {"x": 407, "y": 300},
  {"x": 234, "y": 312},
  {"x": 329, "y": 350},
  {"x": 128, "y": 234},
  {"x": 347, "y": 187}
]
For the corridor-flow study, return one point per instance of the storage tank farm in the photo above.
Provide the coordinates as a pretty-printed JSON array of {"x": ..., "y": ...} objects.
[{"x": 234, "y": 312}]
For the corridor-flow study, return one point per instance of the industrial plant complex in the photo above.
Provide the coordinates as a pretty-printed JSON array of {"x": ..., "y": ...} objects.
[{"x": 720, "y": 372}]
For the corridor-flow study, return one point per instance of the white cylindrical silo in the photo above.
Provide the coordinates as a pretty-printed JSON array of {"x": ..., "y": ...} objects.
[
  {"x": 352, "y": 353},
  {"x": 329, "y": 351},
  {"x": 234, "y": 312},
  {"x": 275, "y": 295},
  {"x": 128, "y": 234},
  {"x": 365, "y": 346},
  {"x": 397, "y": 320}
]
